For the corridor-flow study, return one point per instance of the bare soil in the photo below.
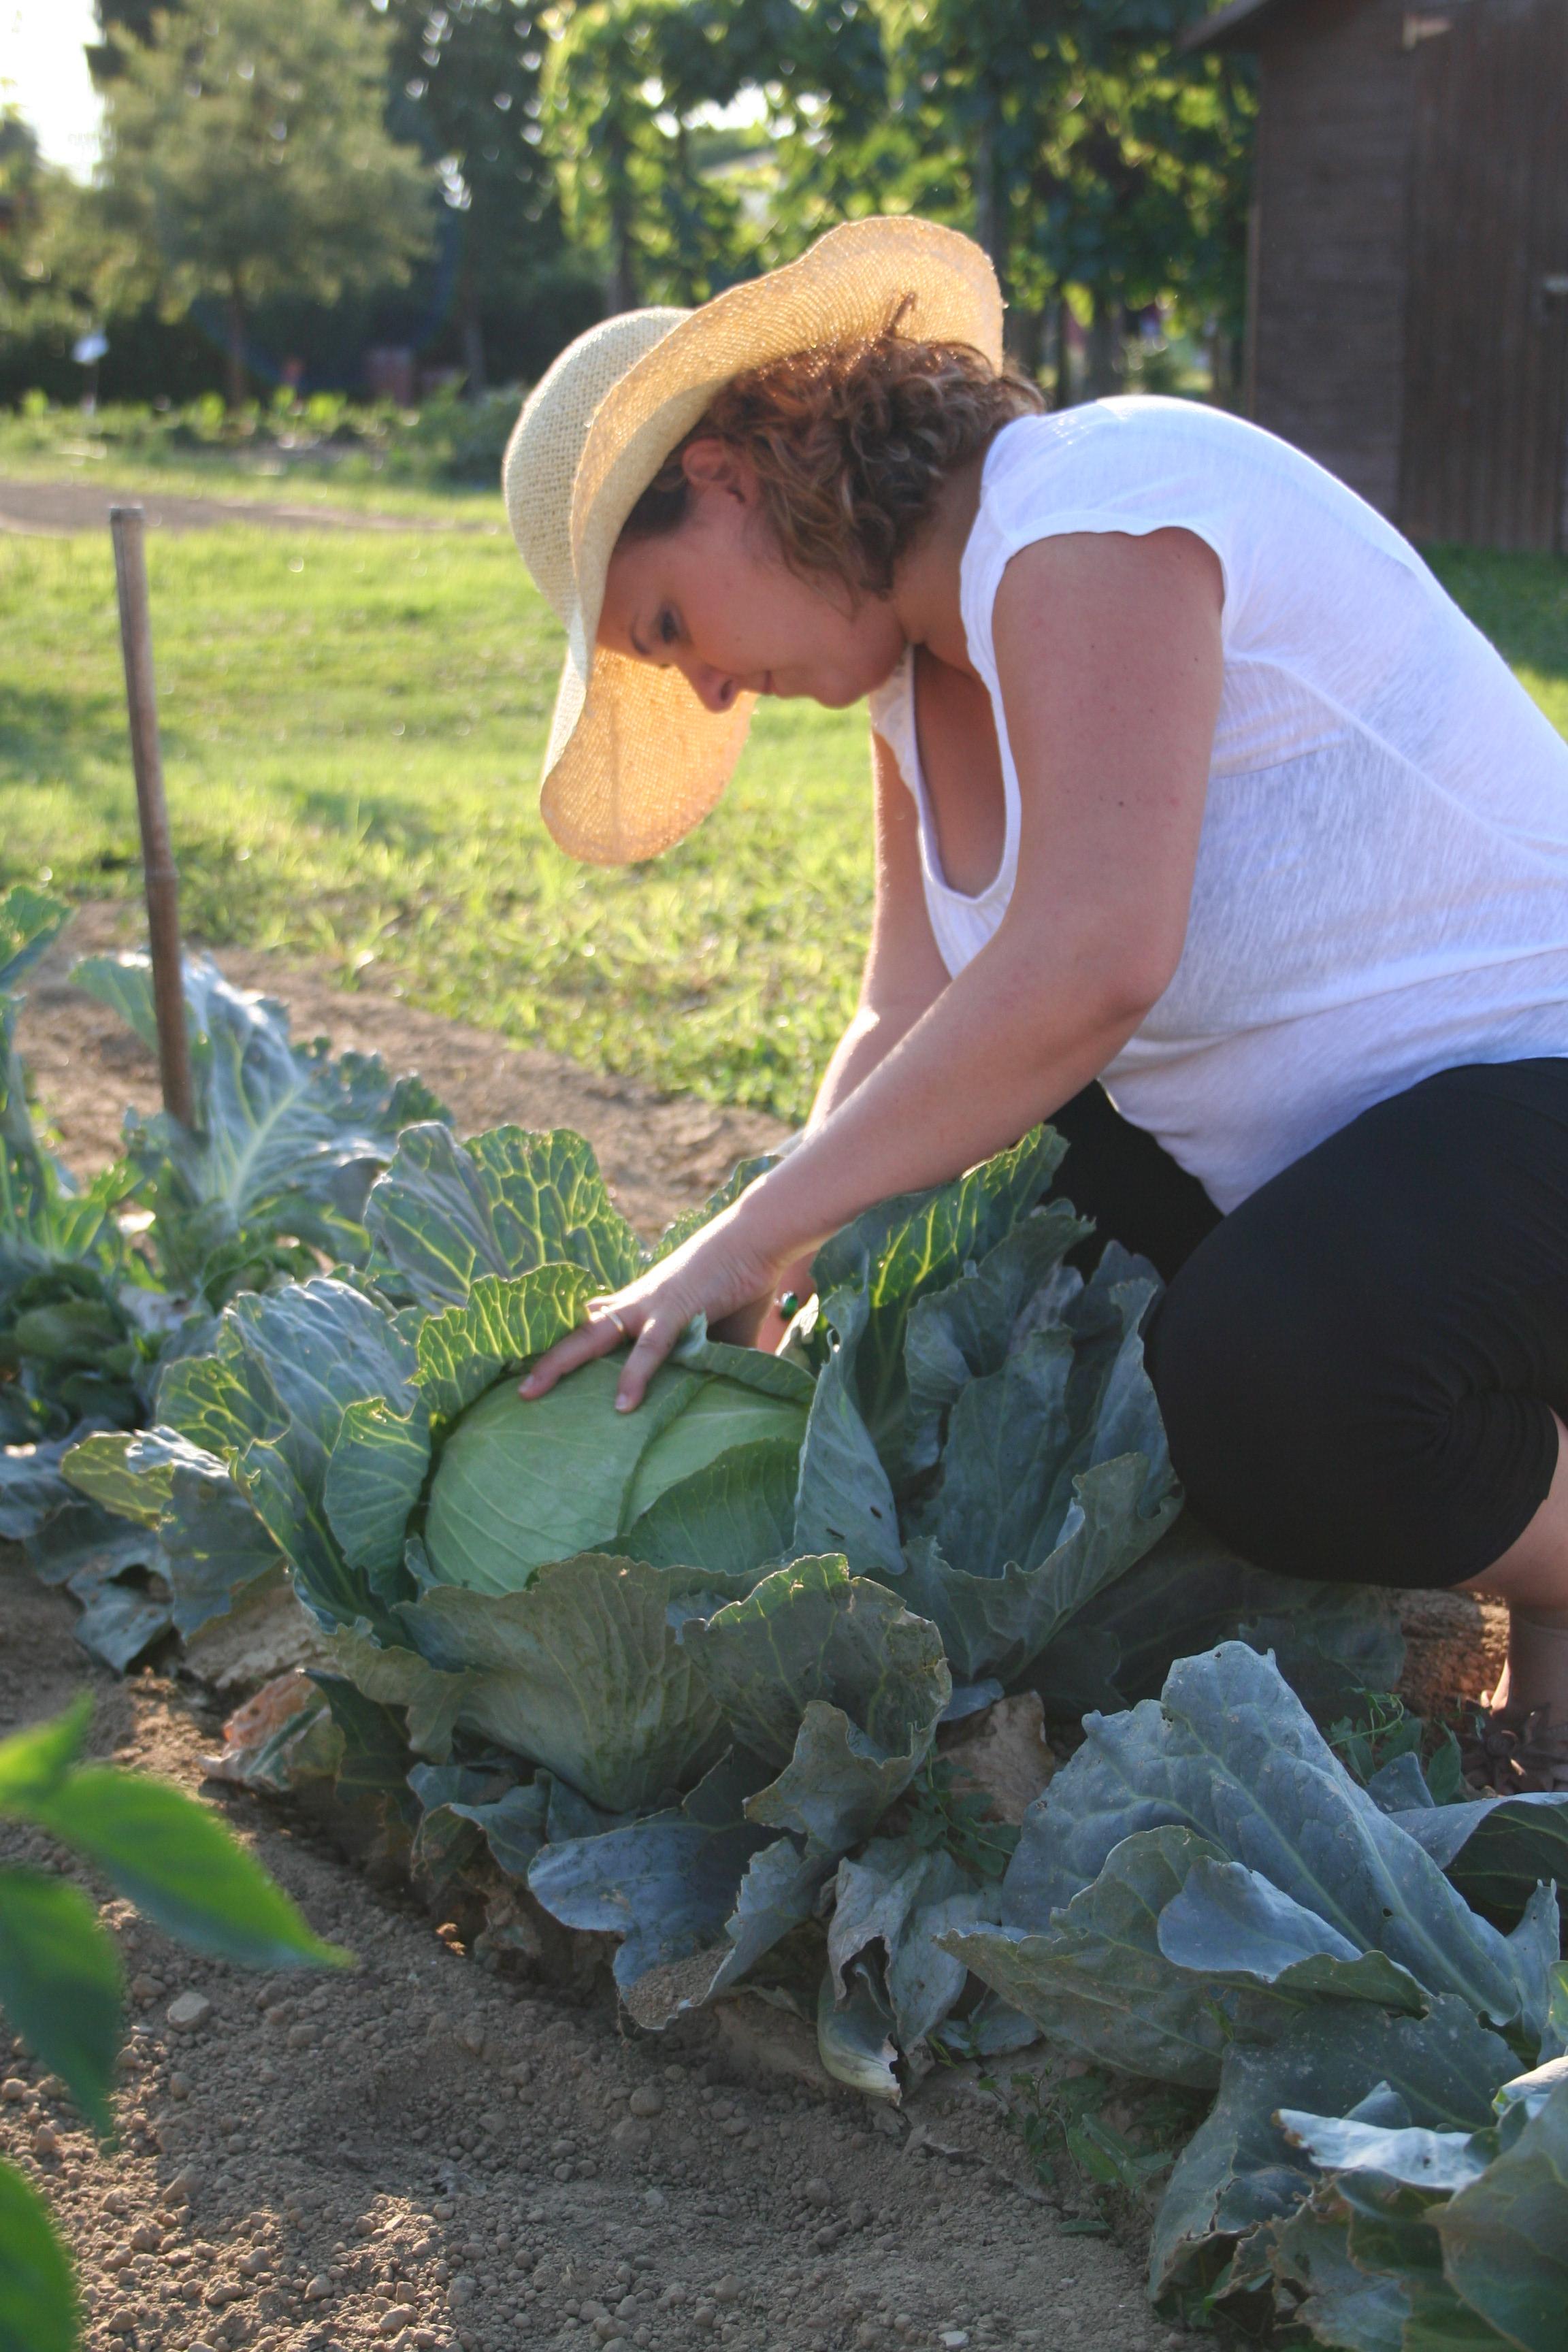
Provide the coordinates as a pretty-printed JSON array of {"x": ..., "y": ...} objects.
[{"x": 421, "y": 2154}]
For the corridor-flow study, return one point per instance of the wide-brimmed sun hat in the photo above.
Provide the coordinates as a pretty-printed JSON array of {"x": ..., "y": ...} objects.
[{"x": 634, "y": 760}]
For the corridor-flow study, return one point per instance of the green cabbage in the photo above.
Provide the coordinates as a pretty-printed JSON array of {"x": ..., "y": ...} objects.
[{"x": 522, "y": 1482}]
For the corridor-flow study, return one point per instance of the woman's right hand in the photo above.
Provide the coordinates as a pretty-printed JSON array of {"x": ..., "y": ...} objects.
[{"x": 761, "y": 1322}]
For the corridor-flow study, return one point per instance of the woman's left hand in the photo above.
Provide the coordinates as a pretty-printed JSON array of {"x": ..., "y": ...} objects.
[{"x": 718, "y": 1272}]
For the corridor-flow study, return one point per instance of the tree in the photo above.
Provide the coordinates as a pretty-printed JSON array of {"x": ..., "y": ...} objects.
[
  {"x": 247, "y": 147},
  {"x": 1080, "y": 150},
  {"x": 466, "y": 77},
  {"x": 677, "y": 207}
]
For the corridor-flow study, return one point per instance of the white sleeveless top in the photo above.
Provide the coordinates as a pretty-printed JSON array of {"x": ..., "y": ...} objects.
[{"x": 1382, "y": 884}]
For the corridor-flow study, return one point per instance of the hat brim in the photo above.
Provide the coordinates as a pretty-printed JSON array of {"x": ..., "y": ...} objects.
[{"x": 634, "y": 758}]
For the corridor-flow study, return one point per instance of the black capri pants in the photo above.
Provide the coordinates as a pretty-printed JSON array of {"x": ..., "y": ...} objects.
[{"x": 1358, "y": 1367}]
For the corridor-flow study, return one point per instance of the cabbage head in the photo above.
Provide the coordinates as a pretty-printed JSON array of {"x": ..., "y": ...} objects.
[{"x": 522, "y": 1483}]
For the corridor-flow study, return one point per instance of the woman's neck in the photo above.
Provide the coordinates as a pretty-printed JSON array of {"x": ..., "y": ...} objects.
[{"x": 926, "y": 598}]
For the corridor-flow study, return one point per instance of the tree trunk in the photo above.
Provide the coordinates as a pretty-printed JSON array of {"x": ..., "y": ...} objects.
[
  {"x": 1063, "y": 395},
  {"x": 476, "y": 383},
  {"x": 986, "y": 224},
  {"x": 238, "y": 373},
  {"x": 1105, "y": 338},
  {"x": 992, "y": 212},
  {"x": 1023, "y": 337}
]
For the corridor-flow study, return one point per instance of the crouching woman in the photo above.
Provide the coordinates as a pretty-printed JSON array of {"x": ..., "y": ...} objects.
[{"x": 1207, "y": 827}]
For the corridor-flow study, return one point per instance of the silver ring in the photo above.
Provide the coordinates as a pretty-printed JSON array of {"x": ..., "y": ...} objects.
[{"x": 606, "y": 1314}]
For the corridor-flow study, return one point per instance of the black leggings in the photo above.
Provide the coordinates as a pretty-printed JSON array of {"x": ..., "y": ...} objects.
[{"x": 1359, "y": 1366}]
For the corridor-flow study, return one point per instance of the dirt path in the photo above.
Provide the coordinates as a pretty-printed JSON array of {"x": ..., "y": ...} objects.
[
  {"x": 60, "y": 509},
  {"x": 661, "y": 1154}
]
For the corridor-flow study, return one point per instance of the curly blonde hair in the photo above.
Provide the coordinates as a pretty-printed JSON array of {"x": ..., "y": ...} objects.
[{"x": 850, "y": 447}]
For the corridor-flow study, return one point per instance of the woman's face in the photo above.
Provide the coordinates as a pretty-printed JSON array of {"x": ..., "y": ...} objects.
[{"x": 715, "y": 599}]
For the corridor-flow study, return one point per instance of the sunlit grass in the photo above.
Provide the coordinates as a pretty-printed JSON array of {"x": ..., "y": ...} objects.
[{"x": 352, "y": 728}]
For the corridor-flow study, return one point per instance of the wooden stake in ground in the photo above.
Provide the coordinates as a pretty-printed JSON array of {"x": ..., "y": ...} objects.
[{"x": 160, "y": 875}]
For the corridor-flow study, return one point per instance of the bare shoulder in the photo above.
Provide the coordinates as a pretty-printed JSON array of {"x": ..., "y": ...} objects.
[{"x": 1134, "y": 568}]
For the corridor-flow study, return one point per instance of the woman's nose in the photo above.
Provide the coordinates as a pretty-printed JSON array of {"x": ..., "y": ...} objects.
[{"x": 714, "y": 689}]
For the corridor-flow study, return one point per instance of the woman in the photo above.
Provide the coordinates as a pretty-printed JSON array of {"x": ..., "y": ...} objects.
[{"x": 1190, "y": 780}]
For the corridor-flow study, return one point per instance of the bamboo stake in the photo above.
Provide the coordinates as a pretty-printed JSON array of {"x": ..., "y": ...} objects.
[{"x": 160, "y": 878}]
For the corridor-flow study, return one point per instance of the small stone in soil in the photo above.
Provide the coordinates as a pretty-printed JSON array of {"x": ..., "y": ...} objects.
[{"x": 188, "y": 2012}]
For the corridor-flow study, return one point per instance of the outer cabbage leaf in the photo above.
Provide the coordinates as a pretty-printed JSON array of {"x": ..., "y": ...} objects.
[
  {"x": 273, "y": 1400},
  {"x": 1190, "y": 1592},
  {"x": 1230, "y": 1753},
  {"x": 389, "y": 1677},
  {"x": 697, "y": 1893},
  {"x": 844, "y": 1499},
  {"x": 1232, "y": 1926},
  {"x": 211, "y": 1547},
  {"x": 965, "y": 1332},
  {"x": 504, "y": 1203},
  {"x": 1496, "y": 1850},
  {"x": 1505, "y": 2235},
  {"x": 1238, "y": 2176},
  {"x": 285, "y": 1139},
  {"x": 1406, "y": 2154},
  {"x": 905, "y": 1898},
  {"x": 809, "y": 1633},
  {"x": 904, "y": 1249},
  {"x": 1070, "y": 1393},
  {"x": 584, "y": 1671},
  {"x": 829, "y": 1676},
  {"x": 504, "y": 1321},
  {"x": 1095, "y": 1977},
  {"x": 325, "y": 1349},
  {"x": 855, "y": 2034},
  {"x": 30, "y": 921},
  {"x": 1000, "y": 1624}
]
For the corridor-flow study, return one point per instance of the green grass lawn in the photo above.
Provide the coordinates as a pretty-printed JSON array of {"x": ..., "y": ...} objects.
[{"x": 352, "y": 729}]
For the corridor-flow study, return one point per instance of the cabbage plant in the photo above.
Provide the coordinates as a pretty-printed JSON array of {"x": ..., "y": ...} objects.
[
  {"x": 709, "y": 1641},
  {"x": 1205, "y": 1895},
  {"x": 98, "y": 1287}
]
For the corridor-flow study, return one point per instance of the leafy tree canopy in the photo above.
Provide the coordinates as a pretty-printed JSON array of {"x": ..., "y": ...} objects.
[{"x": 247, "y": 148}]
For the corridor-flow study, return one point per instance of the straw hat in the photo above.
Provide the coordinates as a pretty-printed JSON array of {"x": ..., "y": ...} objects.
[{"x": 635, "y": 761}]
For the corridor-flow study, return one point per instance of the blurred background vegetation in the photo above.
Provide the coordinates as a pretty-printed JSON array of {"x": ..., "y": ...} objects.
[{"x": 399, "y": 202}]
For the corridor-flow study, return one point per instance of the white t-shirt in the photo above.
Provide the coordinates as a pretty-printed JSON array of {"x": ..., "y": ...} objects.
[{"x": 1382, "y": 884}]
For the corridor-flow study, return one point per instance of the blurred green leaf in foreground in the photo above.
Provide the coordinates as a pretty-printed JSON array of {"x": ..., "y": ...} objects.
[{"x": 60, "y": 1984}]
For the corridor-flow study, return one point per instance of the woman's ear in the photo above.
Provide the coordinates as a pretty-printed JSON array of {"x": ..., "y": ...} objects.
[{"x": 711, "y": 464}]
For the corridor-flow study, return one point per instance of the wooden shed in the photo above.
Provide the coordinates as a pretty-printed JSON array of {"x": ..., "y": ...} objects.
[{"x": 1408, "y": 301}]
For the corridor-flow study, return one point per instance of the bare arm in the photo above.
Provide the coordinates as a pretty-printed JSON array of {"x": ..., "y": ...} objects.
[
  {"x": 1109, "y": 654},
  {"x": 904, "y": 975}
]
